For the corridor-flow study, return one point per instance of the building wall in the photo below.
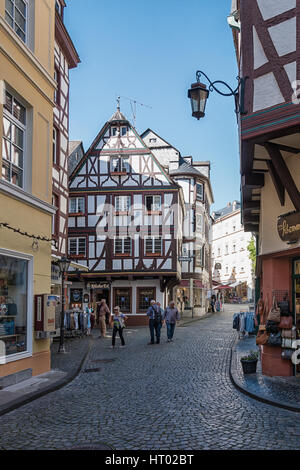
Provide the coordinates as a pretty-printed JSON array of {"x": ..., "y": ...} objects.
[
  {"x": 27, "y": 71},
  {"x": 229, "y": 232}
]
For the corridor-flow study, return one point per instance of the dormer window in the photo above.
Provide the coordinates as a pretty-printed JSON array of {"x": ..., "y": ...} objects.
[
  {"x": 120, "y": 165},
  {"x": 114, "y": 131},
  {"x": 152, "y": 140},
  {"x": 124, "y": 131}
]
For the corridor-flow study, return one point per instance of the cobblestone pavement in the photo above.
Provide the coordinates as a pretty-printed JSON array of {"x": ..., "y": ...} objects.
[
  {"x": 281, "y": 390},
  {"x": 170, "y": 396}
]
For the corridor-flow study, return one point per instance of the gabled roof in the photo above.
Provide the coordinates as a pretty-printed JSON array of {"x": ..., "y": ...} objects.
[
  {"x": 161, "y": 138},
  {"x": 73, "y": 145}
]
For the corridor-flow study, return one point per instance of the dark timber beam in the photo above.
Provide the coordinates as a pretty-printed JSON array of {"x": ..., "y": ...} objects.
[
  {"x": 285, "y": 148},
  {"x": 253, "y": 180},
  {"x": 285, "y": 175},
  {"x": 251, "y": 206},
  {"x": 251, "y": 228},
  {"x": 251, "y": 218},
  {"x": 277, "y": 182}
]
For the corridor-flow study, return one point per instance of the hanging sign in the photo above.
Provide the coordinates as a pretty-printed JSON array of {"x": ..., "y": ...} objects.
[{"x": 288, "y": 227}]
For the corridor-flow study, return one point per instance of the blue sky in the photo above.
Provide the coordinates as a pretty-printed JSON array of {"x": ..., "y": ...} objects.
[{"x": 150, "y": 51}]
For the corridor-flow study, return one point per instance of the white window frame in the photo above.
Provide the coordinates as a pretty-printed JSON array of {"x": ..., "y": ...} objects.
[
  {"x": 114, "y": 131},
  {"x": 29, "y": 331},
  {"x": 77, "y": 246},
  {"x": 119, "y": 167},
  {"x": 153, "y": 252},
  {"x": 122, "y": 203},
  {"x": 123, "y": 246},
  {"x": 14, "y": 121},
  {"x": 198, "y": 196},
  {"x": 153, "y": 209},
  {"x": 122, "y": 129},
  {"x": 76, "y": 205},
  {"x": 14, "y": 20}
]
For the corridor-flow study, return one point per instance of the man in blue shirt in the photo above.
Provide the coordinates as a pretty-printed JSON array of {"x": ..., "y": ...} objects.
[{"x": 155, "y": 321}]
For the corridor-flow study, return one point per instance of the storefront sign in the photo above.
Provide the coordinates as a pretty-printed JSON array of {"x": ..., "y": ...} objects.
[
  {"x": 184, "y": 258},
  {"x": 98, "y": 285},
  {"x": 288, "y": 227}
]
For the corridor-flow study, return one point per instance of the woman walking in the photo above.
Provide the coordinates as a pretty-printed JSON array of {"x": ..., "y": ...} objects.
[
  {"x": 171, "y": 315},
  {"x": 118, "y": 324}
]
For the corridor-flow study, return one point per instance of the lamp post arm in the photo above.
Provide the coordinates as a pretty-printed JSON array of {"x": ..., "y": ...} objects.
[{"x": 213, "y": 87}]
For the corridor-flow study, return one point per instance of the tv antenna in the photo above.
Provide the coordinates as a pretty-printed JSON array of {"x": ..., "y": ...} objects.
[{"x": 133, "y": 105}]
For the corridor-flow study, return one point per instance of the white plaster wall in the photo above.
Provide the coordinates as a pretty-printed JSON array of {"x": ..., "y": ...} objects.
[{"x": 270, "y": 8}]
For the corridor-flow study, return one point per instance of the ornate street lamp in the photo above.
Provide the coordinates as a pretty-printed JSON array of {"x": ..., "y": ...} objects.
[
  {"x": 198, "y": 94},
  {"x": 64, "y": 265}
]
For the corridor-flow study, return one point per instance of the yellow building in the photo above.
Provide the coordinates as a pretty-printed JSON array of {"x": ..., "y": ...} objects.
[{"x": 27, "y": 30}]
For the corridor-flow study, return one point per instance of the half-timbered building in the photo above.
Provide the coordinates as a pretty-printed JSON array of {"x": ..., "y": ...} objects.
[
  {"x": 194, "y": 179},
  {"x": 267, "y": 42},
  {"x": 65, "y": 58},
  {"x": 125, "y": 223}
]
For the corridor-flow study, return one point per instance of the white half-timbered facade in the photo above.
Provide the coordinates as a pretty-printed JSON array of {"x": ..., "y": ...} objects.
[
  {"x": 194, "y": 179},
  {"x": 125, "y": 222}
]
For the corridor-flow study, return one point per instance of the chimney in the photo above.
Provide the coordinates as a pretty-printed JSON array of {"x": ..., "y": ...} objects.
[
  {"x": 228, "y": 204},
  {"x": 234, "y": 205}
]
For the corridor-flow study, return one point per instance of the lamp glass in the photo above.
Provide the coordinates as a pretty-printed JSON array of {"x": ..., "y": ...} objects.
[
  {"x": 198, "y": 95},
  {"x": 64, "y": 264}
]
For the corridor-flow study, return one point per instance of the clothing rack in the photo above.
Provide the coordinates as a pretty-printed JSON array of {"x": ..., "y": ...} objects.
[
  {"x": 77, "y": 323},
  {"x": 243, "y": 322}
]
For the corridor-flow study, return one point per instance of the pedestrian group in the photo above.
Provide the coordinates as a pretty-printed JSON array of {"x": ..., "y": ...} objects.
[{"x": 157, "y": 318}]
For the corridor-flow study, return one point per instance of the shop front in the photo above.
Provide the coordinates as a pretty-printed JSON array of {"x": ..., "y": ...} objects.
[{"x": 191, "y": 297}]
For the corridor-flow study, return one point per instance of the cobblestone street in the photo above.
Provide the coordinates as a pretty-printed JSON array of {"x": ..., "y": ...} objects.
[{"x": 168, "y": 396}]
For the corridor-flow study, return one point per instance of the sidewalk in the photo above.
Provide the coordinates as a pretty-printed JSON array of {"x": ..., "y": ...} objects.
[
  {"x": 283, "y": 392},
  {"x": 64, "y": 368}
]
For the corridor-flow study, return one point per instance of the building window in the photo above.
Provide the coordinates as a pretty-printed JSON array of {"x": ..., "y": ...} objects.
[
  {"x": 199, "y": 223},
  {"x": 199, "y": 191},
  {"x": 226, "y": 270},
  {"x": 124, "y": 131},
  {"x": 226, "y": 250},
  {"x": 153, "y": 246},
  {"x": 14, "y": 292},
  {"x": 120, "y": 165},
  {"x": 122, "y": 246},
  {"x": 144, "y": 297},
  {"x": 122, "y": 203},
  {"x": 55, "y": 217},
  {"x": 233, "y": 228},
  {"x": 16, "y": 16},
  {"x": 153, "y": 203},
  {"x": 77, "y": 205},
  {"x": 122, "y": 299},
  {"x": 57, "y": 90},
  {"x": 153, "y": 140},
  {"x": 13, "y": 144},
  {"x": 199, "y": 257},
  {"x": 234, "y": 249},
  {"x": 219, "y": 251},
  {"x": 77, "y": 246},
  {"x": 55, "y": 146},
  {"x": 114, "y": 131}
]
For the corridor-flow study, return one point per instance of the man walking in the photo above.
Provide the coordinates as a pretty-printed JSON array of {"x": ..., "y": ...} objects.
[
  {"x": 102, "y": 310},
  {"x": 155, "y": 321},
  {"x": 171, "y": 315}
]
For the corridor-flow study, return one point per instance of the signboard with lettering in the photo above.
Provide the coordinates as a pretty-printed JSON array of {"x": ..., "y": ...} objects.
[
  {"x": 288, "y": 227},
  {"x": 98, "y": 285}
]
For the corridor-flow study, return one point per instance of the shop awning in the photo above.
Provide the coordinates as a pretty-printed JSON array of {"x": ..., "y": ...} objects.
[
  {"x": 73, "y": 264},
  {"x": 221, "y": 286},
  {"x": 235, "y": 284}
]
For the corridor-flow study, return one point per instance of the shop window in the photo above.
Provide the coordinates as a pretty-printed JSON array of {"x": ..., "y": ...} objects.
[
  {"x": 153, "y": 245},
  {"x": 153, "y": 203},
  {"x": 144, "y": 297},
  {"x": 77, "y": 246},
  {"x": 14, "y": 291},
  {"x": 122, "y": 299},
  {"x": 13, "y": 142},
  {"x": 77, "y": 205},
  {"x": 122, "y": 246},
  {"x": 122, "y": 203},
  {"x": 16, "y": 12}
]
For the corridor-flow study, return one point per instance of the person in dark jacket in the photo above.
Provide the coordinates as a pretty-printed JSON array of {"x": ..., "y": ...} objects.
[{"x": 155, "y": 321}]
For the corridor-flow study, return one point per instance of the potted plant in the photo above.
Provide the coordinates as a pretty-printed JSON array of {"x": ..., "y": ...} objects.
[{"x": 249, "y": 362}]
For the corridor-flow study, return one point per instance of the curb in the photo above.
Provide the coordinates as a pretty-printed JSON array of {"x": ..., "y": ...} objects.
[
  {"x": 13, "y": 405},
  {"x": 255, "y": 396}
]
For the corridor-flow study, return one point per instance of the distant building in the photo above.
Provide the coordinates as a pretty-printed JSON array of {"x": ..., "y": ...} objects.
[
  {"x": 75, "y": 154},
  {"x": 231, "y": 264}
]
